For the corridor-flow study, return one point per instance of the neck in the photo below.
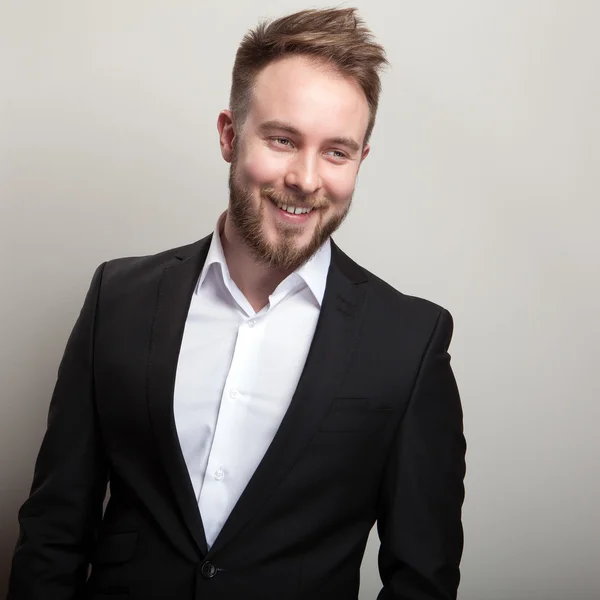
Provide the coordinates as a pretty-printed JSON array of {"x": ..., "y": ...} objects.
[{"x": 255, "y": 280}]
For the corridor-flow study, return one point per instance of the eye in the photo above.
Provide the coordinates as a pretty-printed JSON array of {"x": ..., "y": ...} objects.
[
  {"x": 337, "y": 154},
  {"x": 281, "y": 141}
]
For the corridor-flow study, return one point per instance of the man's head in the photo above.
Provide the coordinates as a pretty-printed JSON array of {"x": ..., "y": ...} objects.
[{"x": 303, "y": 103}]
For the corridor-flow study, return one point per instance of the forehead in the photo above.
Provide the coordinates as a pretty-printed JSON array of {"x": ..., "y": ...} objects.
[{"x": 313, "y": 97}]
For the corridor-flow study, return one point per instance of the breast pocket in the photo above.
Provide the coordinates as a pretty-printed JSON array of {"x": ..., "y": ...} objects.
[{"x": 356, "y": 414}]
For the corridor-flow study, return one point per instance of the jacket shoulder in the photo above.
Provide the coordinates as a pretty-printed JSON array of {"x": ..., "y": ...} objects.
[
  {"x": 386, "y": 297},
  {"x": 402, "y": 314},
  {"x": 415, "y": 304},
  {"x": 119, "y": 271}
]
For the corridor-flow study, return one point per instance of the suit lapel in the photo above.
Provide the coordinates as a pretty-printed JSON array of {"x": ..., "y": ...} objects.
[
  {"x": 176, "y": 287},
  {"x": 335, "y": 335}
]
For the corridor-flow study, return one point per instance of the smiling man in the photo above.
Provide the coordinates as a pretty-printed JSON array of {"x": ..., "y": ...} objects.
[
  {"x": 299, "y": 145},
  {"x": 257, "y": 400}
]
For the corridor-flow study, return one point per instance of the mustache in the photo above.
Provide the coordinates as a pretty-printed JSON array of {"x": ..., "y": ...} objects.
[{"x": 294, "y": 200}]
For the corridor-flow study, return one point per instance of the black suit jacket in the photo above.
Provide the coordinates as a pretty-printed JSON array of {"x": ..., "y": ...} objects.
[{"x": 373, "y": 433}]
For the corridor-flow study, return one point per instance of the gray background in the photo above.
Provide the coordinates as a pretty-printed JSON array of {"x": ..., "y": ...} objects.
[{"x": 480, "y": 193}]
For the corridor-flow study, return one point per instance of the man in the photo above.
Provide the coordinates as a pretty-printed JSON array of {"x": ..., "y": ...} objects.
[{"x": 256, "y": 399}]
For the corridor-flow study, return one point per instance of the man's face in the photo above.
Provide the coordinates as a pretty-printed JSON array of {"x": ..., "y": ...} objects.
[{"x": 300, "y": 146}]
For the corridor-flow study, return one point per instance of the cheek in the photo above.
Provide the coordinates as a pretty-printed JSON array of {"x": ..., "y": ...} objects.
[
  {"x": 261, "y": 168},
  {"x": 340, "y": 185}
]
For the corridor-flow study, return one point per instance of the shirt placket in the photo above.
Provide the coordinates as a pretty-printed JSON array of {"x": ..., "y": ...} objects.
[{"x": 222, "y": 473}]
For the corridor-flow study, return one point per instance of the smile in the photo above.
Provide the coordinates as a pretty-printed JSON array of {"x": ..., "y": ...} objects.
[{"x": 291, "y": 209}]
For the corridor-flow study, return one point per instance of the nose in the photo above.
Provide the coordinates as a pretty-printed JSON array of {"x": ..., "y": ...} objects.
[{"x": 303, "y": 174}]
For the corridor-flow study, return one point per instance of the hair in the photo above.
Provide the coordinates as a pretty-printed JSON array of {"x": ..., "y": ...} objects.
[{"x": 337, "y": 37}]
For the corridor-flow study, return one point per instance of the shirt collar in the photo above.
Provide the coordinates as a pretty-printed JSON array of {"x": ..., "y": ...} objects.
[{"x": 313, "y": 273}]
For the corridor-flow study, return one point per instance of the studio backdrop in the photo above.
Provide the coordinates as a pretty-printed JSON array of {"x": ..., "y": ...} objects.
[{"x": 481, "y": 193}]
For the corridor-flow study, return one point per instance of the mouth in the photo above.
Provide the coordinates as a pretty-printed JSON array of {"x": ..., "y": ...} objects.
[{"x": 295, "y": 214}]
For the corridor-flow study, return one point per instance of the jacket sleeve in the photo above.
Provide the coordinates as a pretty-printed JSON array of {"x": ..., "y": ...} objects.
[
  {"x": 419, "y": 513},
  {"x": 59, "y": 520}
]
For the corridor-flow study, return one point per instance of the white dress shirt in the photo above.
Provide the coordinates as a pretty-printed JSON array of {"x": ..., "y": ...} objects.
[{"x": 236, "y": 375}]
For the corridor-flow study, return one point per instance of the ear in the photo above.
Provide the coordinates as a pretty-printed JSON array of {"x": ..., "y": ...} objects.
[
  {"x": 226, "y": 134},
  {"x": 365, "y": 153}
]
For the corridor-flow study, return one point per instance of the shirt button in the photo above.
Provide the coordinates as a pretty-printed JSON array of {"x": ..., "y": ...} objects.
[
  {"x": 251, "y": 323},
  {"x": 219, "y": 474},
  {"x": 233, "y": 393}
]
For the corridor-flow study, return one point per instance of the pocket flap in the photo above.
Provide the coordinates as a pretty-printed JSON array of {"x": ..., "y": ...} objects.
[
  {"x": 350, "y": 403},
  {"x": 362, "y": 403}
]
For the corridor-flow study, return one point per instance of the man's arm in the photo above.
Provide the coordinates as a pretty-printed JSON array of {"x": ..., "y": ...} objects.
[
  {"x": 419, "y": 520},
  {"x": 59, "y": 520}
]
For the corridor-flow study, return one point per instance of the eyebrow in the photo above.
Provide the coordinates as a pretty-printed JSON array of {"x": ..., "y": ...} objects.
[{"x": 267, "y": 126}]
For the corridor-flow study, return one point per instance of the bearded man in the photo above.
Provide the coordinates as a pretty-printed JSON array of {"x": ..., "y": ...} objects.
[{"x": 257, "y": 400}]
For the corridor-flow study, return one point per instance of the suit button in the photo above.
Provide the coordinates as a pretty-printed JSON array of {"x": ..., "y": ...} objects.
[{"x": 208, "y": 570}]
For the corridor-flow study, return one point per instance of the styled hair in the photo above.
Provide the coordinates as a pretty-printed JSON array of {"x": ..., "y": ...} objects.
[{"x": 337, "y": 37}]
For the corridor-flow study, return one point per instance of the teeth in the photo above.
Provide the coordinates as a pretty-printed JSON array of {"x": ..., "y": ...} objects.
[{"x": 292, "y": 210}]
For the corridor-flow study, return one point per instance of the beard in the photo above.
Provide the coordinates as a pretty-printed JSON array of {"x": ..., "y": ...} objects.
[{"x": 284, "y": 253}]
